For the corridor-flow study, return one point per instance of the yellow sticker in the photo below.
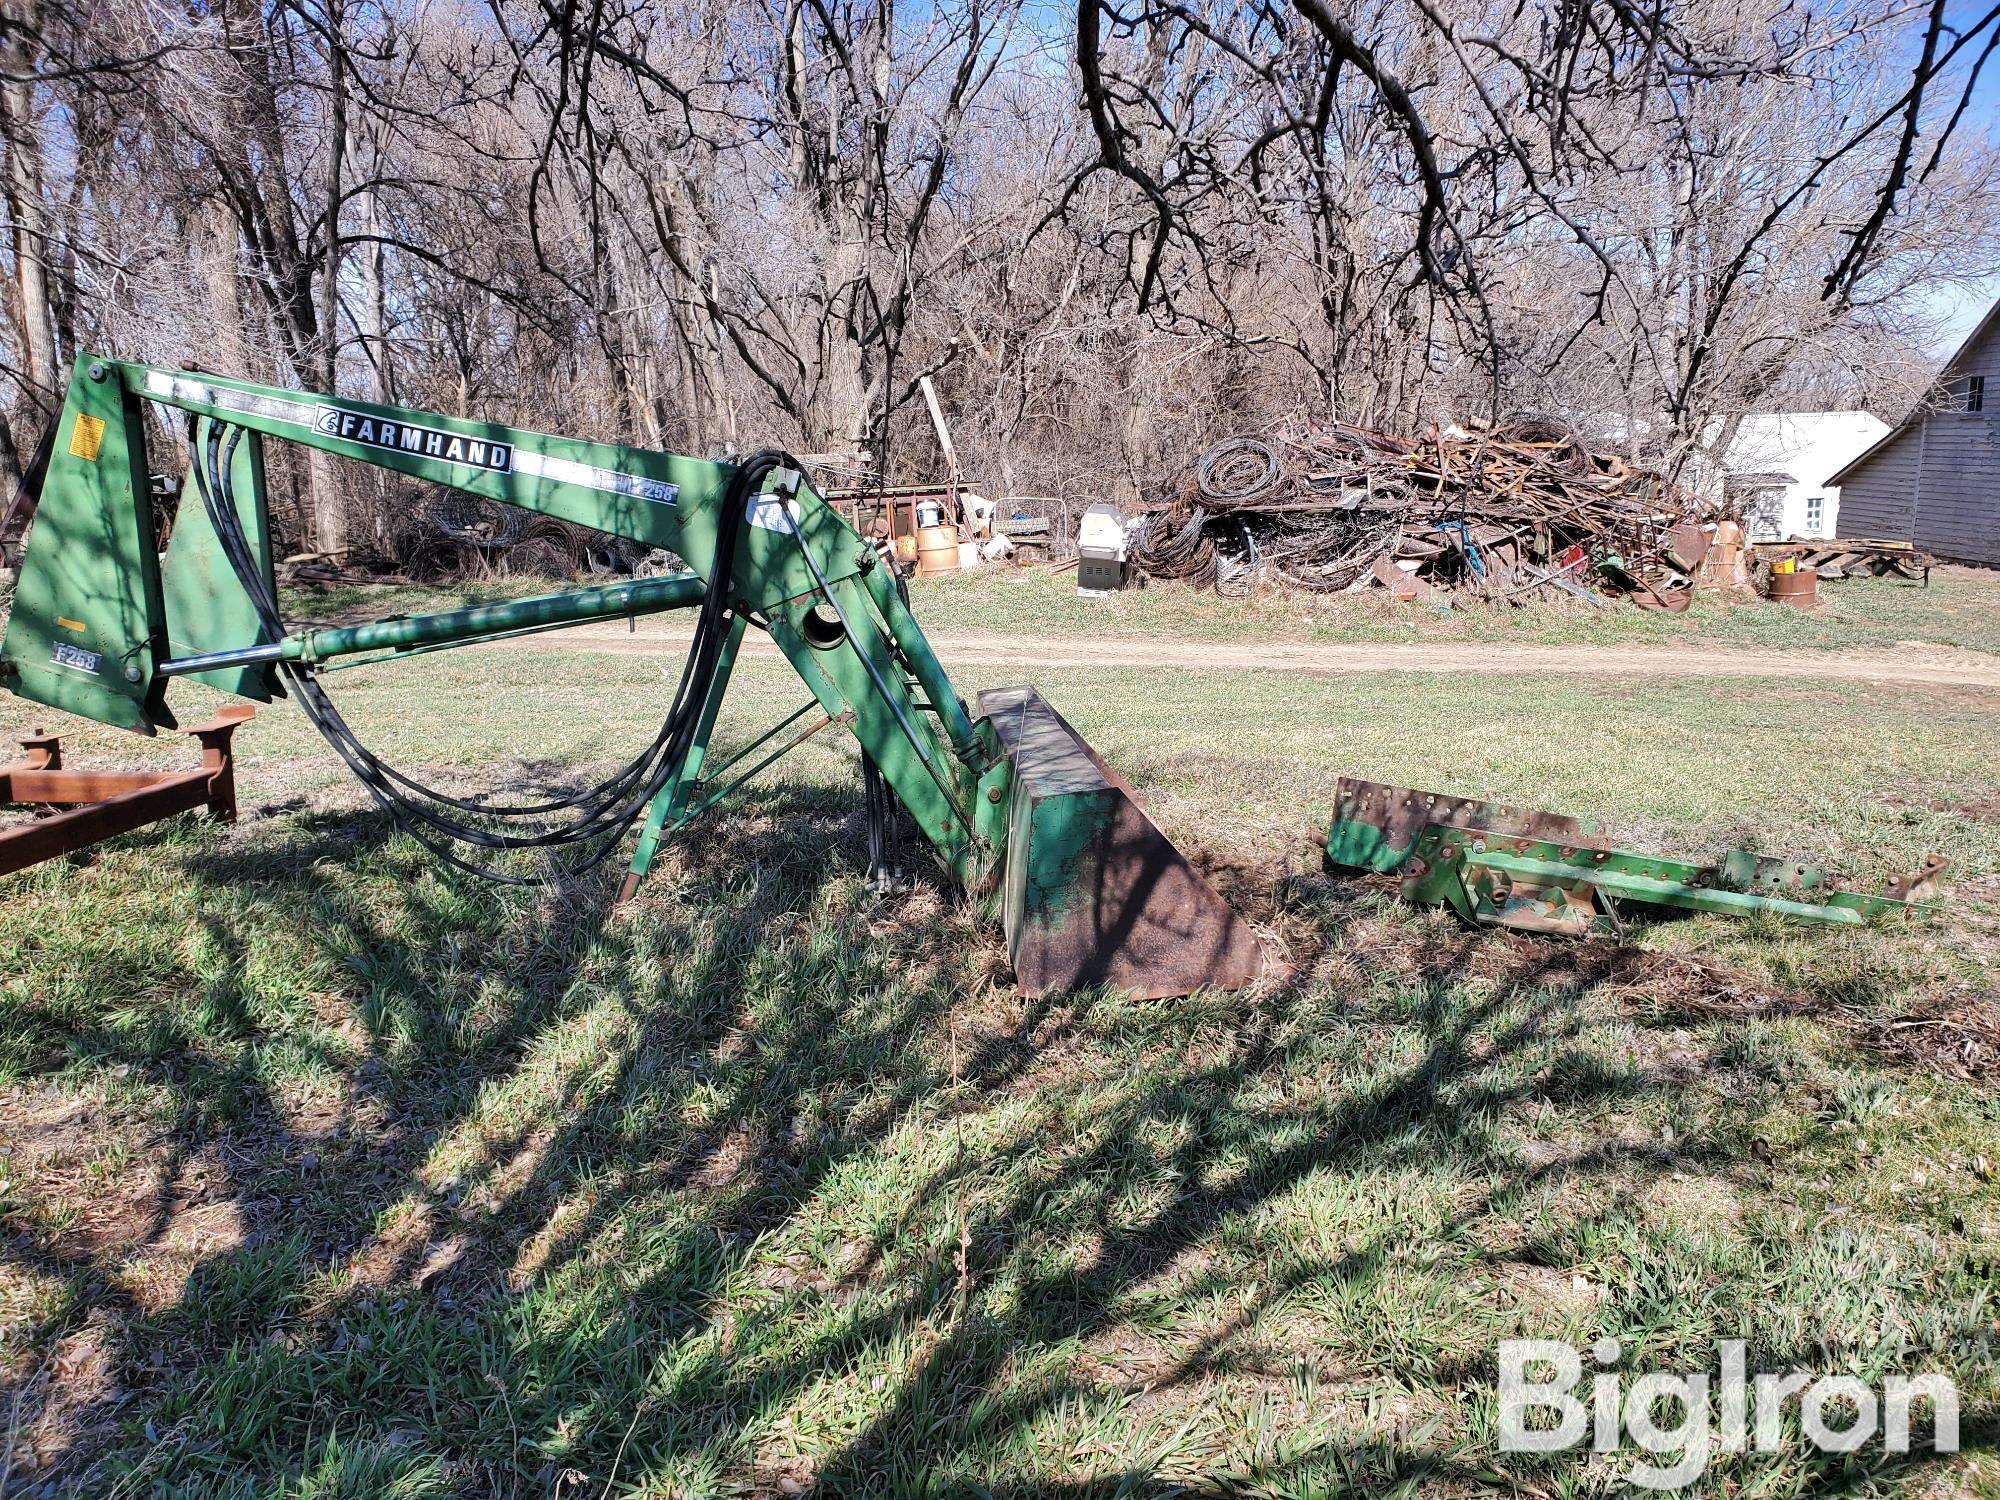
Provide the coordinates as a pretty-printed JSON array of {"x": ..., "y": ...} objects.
[
  {"x": 77, "y": 625},
  {"x": 88, "y": 436}
]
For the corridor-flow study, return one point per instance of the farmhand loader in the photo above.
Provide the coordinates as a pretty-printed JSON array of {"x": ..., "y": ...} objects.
[{"x": 1012, "y": 799}]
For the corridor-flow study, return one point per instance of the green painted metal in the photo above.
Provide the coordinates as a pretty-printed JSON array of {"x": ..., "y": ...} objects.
[
  {"x": 1356, "y": 845},
  {"x": 1375, "y": 826},
  {"x": 671, "y": 800},
  {"x": 642, "y": 596},
  {"x": 929, "y": 672},
  {"x": 661, "y": 499},
  {"x": 1091, "y": 891},
  {"x": 992, "y": 796},
  {"x": 865, "y": 679},
  {"x": 1509, "y": 867},
  {"x": 1545, "y": 867},
  {"x": 711, "y": 798},
  {"x": 88, "y": 622},
  {"x": 206, "y": 608},
  {"x": 799, "y": 568},
  {"x": 1094, "y": 893}
]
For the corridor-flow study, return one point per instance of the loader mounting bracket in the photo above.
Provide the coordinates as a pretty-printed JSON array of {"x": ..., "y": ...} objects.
[
  {"x": 1536, "y": 871},
  {"x": 100, "y": 804}
]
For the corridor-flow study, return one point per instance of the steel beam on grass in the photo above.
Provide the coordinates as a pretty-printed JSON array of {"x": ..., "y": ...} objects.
[{"x": 102, "y": 804}]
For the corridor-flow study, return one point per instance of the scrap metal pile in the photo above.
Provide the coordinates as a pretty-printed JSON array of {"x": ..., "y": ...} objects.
[{"x": 1501, "y": 514}]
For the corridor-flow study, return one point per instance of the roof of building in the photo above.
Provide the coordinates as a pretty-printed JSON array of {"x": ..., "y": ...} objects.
[
  {"x": 1979, "y": 330},
  {"x": 1776, "y": 449}
]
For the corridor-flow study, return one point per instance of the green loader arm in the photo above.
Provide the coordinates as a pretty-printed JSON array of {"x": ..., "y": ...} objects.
[
  {"x": 101, "y": 627},
  {"x": 98, "y": 624}
]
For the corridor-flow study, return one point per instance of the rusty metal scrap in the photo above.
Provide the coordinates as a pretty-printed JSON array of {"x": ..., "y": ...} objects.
[
  {"x": 1503, "y": 514},
  {"x": 99, "y": 805}
]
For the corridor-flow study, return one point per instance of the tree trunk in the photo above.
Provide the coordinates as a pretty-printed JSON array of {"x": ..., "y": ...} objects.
[
  {"x": 1134, "y": 434},
  {"x": 225, "y": 306},
  {"x": 329, "y": 502},
  {"x": 375, "y": 279},
  {"x": 26, "y": 209}
]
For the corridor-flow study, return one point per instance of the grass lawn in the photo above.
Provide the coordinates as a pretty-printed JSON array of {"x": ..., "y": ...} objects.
[{"x": 327, "y": 1172}]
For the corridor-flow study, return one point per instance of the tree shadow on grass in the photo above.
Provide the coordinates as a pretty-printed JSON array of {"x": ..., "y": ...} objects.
[
  {"x": 764, "y": 1183},
  {"x": 294, "y": 1014}
]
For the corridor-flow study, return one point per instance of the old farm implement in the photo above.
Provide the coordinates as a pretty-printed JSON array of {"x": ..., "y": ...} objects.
[
  {"x": 1012, "y": 801},
  {"x": 101, "y": 804},
  {"x": 1536, "y": 871}
]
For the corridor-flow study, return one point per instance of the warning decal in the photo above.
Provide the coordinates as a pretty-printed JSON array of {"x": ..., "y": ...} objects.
[{"x": 87, "y": 436}]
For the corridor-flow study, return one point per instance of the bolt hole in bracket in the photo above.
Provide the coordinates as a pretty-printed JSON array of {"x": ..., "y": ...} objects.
[
  {"x": 1539, "y": 871},
  {"x": 821, "y": 630}
]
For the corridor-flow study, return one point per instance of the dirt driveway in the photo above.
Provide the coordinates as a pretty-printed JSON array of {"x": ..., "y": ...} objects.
[{"x": 1913, "y": 664}]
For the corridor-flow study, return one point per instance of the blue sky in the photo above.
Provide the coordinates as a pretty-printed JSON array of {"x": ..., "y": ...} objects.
[{"x": 1961, "y": 307}]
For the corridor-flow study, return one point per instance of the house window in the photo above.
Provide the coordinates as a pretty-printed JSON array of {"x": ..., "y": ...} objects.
[
  {"x": 1815, "y": 513},
  {"x": 1975, "y": 393}
]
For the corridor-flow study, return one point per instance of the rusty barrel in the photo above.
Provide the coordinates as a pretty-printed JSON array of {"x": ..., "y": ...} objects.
[
  {"x": 937, "y": 549},
  {"x": 1800, "y": 589}
]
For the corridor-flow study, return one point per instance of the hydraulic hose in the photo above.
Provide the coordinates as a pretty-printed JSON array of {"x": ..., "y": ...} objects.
[{"x": 598, "y": 816}]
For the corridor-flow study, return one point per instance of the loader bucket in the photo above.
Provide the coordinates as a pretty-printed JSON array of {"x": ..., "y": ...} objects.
[{"x": 1092, "y": 892}]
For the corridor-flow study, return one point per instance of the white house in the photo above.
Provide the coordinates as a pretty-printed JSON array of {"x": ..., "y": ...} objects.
[{"x": 1780, "y": 466}]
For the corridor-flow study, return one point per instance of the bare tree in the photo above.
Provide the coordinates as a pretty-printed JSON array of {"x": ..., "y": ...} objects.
[{"x": 702, "y": 225}]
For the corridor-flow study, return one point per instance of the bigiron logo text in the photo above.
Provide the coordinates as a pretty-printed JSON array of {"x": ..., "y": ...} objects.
[
  {"x": 1836, "y": 1413},
  {"x": 408, "y": 437}
]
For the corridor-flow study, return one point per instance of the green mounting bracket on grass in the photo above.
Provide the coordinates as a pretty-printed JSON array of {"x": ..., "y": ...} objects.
[
  {"x": 1502, "y": 866},
  {"x": 101, "y": 627}
]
